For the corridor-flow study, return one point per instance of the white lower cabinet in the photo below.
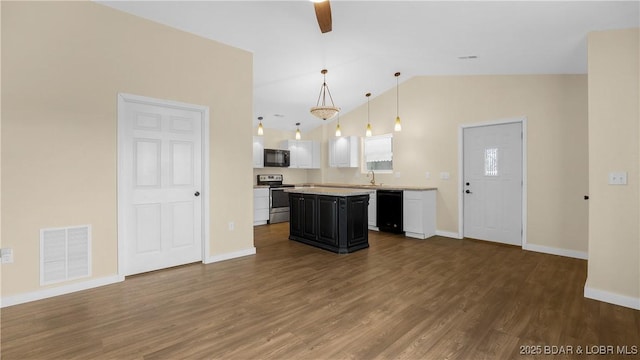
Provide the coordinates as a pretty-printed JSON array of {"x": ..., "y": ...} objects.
[
  {"x": 372, "y": 212},
  {"x": 419, "y": 213},
  {"x": 260, "y": 206}
]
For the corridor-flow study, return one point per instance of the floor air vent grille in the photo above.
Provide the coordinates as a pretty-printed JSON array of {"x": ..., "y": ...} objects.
[{"x": 65, "y": 254}]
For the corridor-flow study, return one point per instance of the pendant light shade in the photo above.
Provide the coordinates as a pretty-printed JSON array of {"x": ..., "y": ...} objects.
[
  {"x": 338, "y": 131},
  {"x": 322, "y": 110},
  {"x": 368, "y": 132},
  {"x": 260, "y": 128},
  {"x": 398, "y": 125},
  {"x": 297, "y": 131}
]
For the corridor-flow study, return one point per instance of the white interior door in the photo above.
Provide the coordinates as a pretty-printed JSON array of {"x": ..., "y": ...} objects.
[
  {"x": 492, "y": 183},
  {"x": 162, "y": 165}
]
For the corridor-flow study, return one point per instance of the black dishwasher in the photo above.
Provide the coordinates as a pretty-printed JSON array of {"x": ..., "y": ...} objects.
[{"x": 389, "y": 210}]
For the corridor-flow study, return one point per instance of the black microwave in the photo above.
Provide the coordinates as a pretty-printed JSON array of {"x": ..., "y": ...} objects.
[{"x": 276, "y": 158}]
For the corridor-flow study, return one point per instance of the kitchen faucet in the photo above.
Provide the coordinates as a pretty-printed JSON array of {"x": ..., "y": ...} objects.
[{"x": 373, "y": 177}]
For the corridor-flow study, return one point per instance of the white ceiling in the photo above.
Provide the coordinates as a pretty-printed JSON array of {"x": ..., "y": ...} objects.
[{"x": 371, "y": 40}]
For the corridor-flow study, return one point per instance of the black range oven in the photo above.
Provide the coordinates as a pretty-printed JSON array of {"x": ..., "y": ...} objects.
[{"x": 278, "y": 199}]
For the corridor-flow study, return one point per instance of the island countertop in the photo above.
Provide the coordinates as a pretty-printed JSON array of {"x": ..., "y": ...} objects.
[
  {"x": 369, "y": 187},
  {"x": 333, "y": 191}
]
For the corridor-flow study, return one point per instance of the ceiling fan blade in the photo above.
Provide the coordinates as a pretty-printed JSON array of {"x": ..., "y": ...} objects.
[{"x": 323, "y": 14}]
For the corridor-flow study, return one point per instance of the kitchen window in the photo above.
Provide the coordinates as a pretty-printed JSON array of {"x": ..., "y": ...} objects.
[{"x": 378, "y": 153}]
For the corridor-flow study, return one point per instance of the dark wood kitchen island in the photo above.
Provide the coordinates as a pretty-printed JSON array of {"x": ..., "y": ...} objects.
[{"x": 333, "y": 219}]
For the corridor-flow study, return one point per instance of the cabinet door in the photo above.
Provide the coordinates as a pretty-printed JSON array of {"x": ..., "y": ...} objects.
[
  {"x": 371, "y": 211},
  {"x": 309, "y": 222},
  {"x": 341, "y": 152},
  {"x": 412, "y": 220},
  {"x": 331, "y": 147},
  {"x": 419, "y": 214},
  {"x": 260, "y": 206},
  {"x": 304, "y": 154},
  {"x": 296, "y": 218},
  {"x": 357, "y": 226},
  {"x": 328, "y": 220},
  {"x": 316, "y": 156},
  {"x": 258, "y": 151}
]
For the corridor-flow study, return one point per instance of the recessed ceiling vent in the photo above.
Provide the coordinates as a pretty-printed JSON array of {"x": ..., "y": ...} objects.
[{"x": 65, "y": 254}]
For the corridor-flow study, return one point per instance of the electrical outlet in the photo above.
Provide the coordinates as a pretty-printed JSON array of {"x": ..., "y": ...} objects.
[
  {"x": 617, "y": 178},
  {"x": 427, "y": 175},
  {"x": 444, "y": 175},
  {"x": 7, "y": 255},
  {"x": 396, "y": 174},
  {"x": 232, "y": 226}
]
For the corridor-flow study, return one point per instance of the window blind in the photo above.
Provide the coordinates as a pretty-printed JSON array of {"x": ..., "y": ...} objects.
[{"x": 378, "y": 148}]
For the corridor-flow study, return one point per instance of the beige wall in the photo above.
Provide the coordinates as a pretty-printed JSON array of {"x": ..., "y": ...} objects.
[
  {"x": 433, "y": 107},
  {"x": 63, "y": 64},
  {"x": 614, "y": 145}
]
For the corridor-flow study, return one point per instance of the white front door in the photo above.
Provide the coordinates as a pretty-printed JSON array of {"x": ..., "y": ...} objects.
[
  {"x": 492, "y": 183},
  {"x": 162, "y": 203}
]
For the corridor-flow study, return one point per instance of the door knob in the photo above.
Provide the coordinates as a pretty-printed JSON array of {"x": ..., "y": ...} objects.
[
  {"x": 197, "y": 193},
  {"x": 468, "y": 191}
]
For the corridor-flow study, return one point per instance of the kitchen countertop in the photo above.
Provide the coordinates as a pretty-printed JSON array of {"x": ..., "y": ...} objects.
[
  {"x": 369, "y": 187},
  {"x": 333, "y": 191},
  {"x": 260, "y": 186}
]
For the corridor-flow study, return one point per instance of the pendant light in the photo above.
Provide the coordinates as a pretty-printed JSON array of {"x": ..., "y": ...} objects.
[
  {"x": 260, "y": 128},
  {"x": 297, "y": 131},
  {"x": 322, "y": 110},
  {"x": 338, "y": 132},
  {"x": 397, "y": 126},
  {"x": 368, "y": 132}
]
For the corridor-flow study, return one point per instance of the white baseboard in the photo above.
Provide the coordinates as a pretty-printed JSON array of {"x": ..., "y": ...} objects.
[
  {"x": 59, "y": 290},
  {"x": 612, "y": 298},
  {"x": 556, "y": 251},
  {"x": 230, "y": 255},
  {"x": 415, "y": 235},
  {"x": 448, "y": 234}
]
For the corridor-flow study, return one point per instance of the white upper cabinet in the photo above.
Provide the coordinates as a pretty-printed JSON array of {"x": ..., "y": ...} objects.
[
  {"x": 304, "y": 154},
  {"x": 344, "y": 151},
  {"x": 258, "y": 151}
]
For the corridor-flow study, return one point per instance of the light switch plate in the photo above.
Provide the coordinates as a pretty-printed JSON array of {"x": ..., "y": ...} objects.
[
  {"x": 618, "y": 178},
  {"x": 396, "y": 174},
  {"x": 7, "y": 255},
  {"x": 427, "y": 175}
]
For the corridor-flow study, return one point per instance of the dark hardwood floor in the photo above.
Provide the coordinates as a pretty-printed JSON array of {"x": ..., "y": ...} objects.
[{"x": 399, "y": 299}]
